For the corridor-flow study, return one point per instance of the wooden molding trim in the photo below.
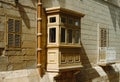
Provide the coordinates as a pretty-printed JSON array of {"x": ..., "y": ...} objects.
[{"x": 63, "y": 10}]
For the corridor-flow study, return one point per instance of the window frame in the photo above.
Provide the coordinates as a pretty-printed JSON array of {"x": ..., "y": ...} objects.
[
  {"x": 103, "y": 38},
  {"x": 56, "y": 18},
  {"x": 52, "y": 38},
  {"x": 64, "y": 35},
  {"x": 59, "y": 13},
  {"x": 57, "y": 39},
  {"x": 68, "y": 26},
  {"x": 14, "y": 33}
]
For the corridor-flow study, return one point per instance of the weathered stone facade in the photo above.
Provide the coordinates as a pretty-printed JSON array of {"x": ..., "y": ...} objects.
[
  {"x": 25, "y": 57},
  {"x": 98, "y": 14}
]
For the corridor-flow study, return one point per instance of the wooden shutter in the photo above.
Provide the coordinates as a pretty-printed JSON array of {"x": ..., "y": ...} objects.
[
  {"x": 17, "y": 40},
  {"x": 10, "y": 25},
  {"x": 10, "y": 32},
  {"x": 103, "y": 37},
  {"x": 17, "y": 26},
  {"x": 14, "y": 33},
  {"x": 17, "y": 31}
]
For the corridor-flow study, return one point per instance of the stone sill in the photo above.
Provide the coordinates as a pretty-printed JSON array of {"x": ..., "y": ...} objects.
[{"x": 106, "y": 63}]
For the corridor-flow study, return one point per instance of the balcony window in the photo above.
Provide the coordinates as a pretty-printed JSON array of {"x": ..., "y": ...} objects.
[
  {"x": 77, "y": 22},
  {"x": 63, "y": 19},
  {"x": 69, "y": 35},
  {"x": 76, "y": 36},
  {"x": 63, "y": 35},
  {"x": 52, "y": 35},
  {"x": 52, "y": 19}
]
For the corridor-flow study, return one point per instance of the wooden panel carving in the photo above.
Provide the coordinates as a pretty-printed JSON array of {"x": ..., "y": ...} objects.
[
  {"x": 70, "y": 58},
  {"x": 51, "y": 57}
]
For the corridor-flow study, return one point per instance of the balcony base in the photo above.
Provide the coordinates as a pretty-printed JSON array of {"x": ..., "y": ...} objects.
[{"x": 106, "y": 63}]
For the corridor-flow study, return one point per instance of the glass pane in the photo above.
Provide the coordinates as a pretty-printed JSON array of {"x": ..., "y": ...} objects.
[
  {"x": 10, "y": 25},
  {"x": 17, "y": 40},
  {"x": 10, "y": 40},
  {"x": 52, "y": 19},
  {"x": 77, "y": 36},
  {"x": 63, "y": 19},
  {"x": 52, "y": 35},
  {"x": 17, "y": 26},
  {"x": 77, "y": 22},
  {"x": 70, "y": 21},
  {"x": 62, "y": 34},
  {"x": 69, "y": 36}
]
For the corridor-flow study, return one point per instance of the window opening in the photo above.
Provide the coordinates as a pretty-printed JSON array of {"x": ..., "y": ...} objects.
[
  {"x": 69, "y": 33},
  {"x": 14, "y": 33},
  {"x": 62, "y": 34},
  {"x": 52, "y": 19},
  {"x": 52, "y": 35}
]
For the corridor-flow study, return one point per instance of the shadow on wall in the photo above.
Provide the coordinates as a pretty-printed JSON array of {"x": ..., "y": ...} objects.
[
  {"x": 22, "y": 11},
  {"x": 24, "y": 15},
  {"x": 112, "y": 74},
  {"x": 115, "y": 13},
  {"x": 87, "y": 73},
  {"x": 34, "y": 2}
]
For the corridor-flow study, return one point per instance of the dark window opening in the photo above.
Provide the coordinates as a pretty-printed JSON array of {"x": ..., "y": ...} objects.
[
  {"x": 62, "y": 34},
  {"x": 52, "y": 19},
  {"x": 63, "y": 20},
  {"x": 69, "y": 34},
  {"x": 77, "y": 36},
  {"x": 52, "y": 35},
  {"x": 70, "y": 21},
  {"x": 103, "y": 37}
]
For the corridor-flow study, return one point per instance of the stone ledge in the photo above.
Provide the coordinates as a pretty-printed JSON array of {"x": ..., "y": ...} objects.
[{"x": 27, "y": 75}]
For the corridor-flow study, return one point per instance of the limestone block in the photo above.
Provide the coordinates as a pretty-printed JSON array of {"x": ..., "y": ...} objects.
[
  {"x": 29, "y": 58},
  {"x": 100, "y": 71},
  {"x": 33, "y": 23},
  {"x": 1, "y": 36},
  {"x": 16, "y": 59},
  {"x": 3, "y": 60},
  {"x": 26, "y": 75},
  {"x": 32, "y": 15},
  {"x": 12, "y": 11},
  {"x": 29, "y": 37},
  {"x": 14, "y": 53},
  {"x": 29, "y": 44},
  {"x": 28, "y": 31},
  {"x": 96, "y": 80},
  {"x": 28, "y": 51},
  {"x": 1, "y": 10},
  {"x": 18, "y": 66},
  {"x": 16, "y": 79}
]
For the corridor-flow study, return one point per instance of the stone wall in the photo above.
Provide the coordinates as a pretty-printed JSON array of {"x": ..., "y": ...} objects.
[
  {"x": 95, "y": 74},
  {"x": 100, "y": 74},
  {"x": 98, "y": 13},
  {"x": 27, "y": 75},
  {"x": 25, "y": 57}
]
